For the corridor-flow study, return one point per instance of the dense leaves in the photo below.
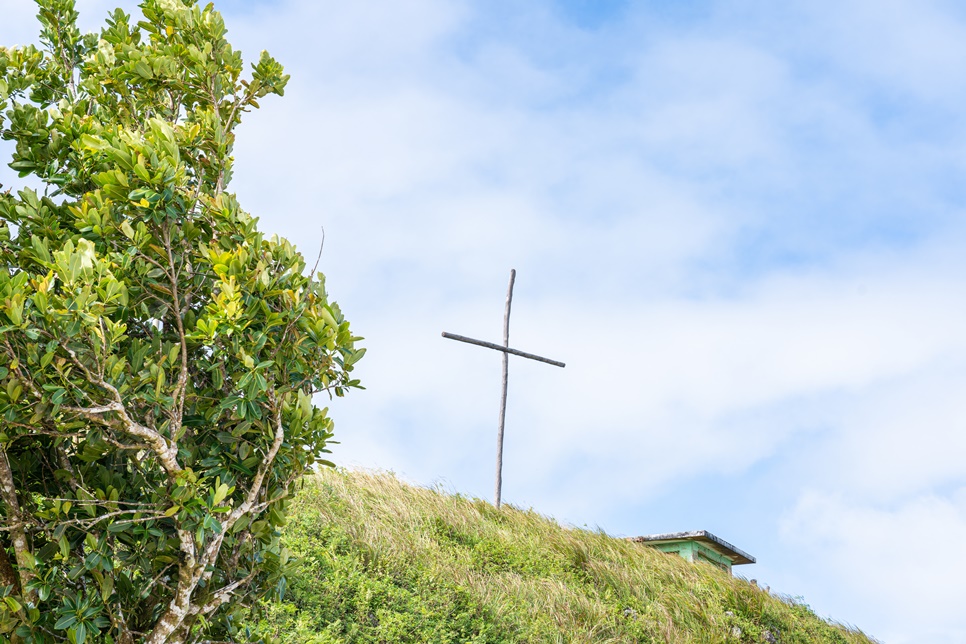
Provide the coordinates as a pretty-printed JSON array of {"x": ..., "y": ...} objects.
[{"x": 158, "y": 355}]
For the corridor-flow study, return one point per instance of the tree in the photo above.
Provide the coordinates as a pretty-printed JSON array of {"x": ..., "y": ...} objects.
[{"x": 158, "y": 355}]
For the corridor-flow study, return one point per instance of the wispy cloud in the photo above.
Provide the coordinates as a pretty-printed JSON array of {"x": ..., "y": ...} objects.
[{"x": 875, "y": 552}]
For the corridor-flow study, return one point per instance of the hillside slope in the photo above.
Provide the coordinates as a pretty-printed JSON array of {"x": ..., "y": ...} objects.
[{"x": 382, "y": 561}]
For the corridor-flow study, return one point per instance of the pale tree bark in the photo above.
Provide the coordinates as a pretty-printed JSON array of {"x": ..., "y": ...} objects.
[
  {"x": 15, "y": 526},
  {"x": 199, "y": 567}
]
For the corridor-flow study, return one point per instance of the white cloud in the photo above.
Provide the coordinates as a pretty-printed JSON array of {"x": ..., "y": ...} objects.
[
  {"x": 903, "y": 562},
  {"x": 905, "y": 49}
]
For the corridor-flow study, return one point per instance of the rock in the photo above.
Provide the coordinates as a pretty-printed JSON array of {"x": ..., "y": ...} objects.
[{"x": 767, "y": 636}]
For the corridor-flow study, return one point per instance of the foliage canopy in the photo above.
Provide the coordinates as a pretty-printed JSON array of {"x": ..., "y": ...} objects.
[{"x": 159, "y": 355}]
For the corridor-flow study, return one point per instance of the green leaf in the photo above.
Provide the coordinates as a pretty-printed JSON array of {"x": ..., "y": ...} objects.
[
  {"x": 220, "y": 493},
  {"x": 80, "y": 633},
  {"x": 142, "y": 69},
  {"x": 354, "y": 357},
  {"x": 92, "y": 142},
  {"x": 65, "y": 622},
  {"x": 142, "y": 172},
  {"x": 39, "y": 247}
]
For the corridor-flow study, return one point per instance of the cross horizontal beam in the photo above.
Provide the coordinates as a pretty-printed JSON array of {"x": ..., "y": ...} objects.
[{"x": 500, "y": 347}]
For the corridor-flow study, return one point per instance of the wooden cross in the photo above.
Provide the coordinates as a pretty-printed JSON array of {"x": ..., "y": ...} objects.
[{"x": 506, "y": 350}]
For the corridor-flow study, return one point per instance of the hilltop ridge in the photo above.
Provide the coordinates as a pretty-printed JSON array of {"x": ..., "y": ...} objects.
[{"x": 379, "y": 560}]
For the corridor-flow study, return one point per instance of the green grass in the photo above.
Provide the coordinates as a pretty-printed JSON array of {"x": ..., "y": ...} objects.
[{"x": 382, "y": 561}]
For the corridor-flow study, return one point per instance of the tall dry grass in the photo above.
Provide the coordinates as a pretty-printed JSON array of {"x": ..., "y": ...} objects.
[{"x": 383, "y": 561}]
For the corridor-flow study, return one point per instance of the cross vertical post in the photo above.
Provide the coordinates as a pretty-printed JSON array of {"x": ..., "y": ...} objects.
[
  {"x": 506, "y": 367},
  {"x": 506, "y": 351}
]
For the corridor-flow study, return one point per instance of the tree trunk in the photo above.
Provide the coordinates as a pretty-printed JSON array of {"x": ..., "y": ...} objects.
[
  {"x": 8, "y": 576},
  {"x": 18, "y": 536}
]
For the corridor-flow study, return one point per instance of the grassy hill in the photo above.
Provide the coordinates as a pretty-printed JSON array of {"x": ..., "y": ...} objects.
[{"x": 382, "y": 561}]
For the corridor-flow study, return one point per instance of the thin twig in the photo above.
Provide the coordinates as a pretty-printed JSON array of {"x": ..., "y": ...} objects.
[{"x": 319, "y": 257}]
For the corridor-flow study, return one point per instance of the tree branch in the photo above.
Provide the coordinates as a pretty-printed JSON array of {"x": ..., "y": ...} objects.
[
  {"x": 182, "y": 386},
  {"x": 167, "y": 453}
]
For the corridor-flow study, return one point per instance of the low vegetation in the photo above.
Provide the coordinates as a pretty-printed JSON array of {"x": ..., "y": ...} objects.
[{"x": 378, "y": 560}]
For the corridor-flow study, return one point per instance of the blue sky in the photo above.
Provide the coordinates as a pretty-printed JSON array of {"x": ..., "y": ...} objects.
[{"x": 740, "y": 224}]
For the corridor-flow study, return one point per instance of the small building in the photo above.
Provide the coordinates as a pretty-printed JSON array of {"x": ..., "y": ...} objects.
[{"x": 700, "y": 545}]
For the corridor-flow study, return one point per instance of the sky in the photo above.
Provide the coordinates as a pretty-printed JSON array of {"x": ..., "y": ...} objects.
[{"x": 740, "y": 224}]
